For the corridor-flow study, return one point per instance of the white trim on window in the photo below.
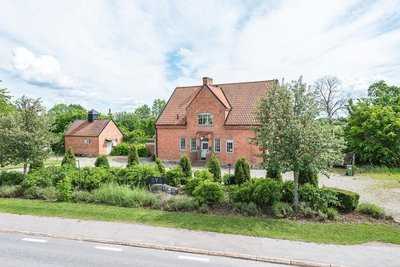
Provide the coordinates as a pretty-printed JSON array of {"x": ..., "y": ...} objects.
[
  {"x": 215, "y": 145},
  {"x": 87, "y": 141},
  {"x": 193, "y": 149},
  {"x": 230, "y": 146},
  {"x": 205, "y": 119},
  {"x": 182, "y": 143}
]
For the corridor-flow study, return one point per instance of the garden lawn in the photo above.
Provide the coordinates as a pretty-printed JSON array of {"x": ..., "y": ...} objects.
[
  {"x": 336, "y": 233},
  {"x": 381, "y": 173}
]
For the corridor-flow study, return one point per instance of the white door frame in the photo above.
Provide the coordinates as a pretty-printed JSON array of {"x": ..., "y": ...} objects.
[
  {"x": 203, "y": 151},
  {"x": 109, "y": 147}
]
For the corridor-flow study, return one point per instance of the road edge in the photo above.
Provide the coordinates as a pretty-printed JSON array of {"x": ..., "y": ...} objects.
[{"x": 290, "y": 262}]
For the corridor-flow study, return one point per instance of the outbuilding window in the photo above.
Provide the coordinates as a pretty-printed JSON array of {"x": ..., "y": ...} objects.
[
  {"x": 87, "y": 141},
  {"x": 205, "y": 119},
  {"x": 229, "y": 146}
]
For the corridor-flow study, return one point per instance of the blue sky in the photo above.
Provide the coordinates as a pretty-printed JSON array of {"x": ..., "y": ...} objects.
[{"x": 119, "y": 54}]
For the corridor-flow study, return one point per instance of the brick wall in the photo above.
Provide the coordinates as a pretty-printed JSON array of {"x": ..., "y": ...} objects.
[{"x": 111, "y": 132}]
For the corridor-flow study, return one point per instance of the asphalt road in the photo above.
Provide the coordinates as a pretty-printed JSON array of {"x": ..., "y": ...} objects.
[{"x": 24, "y": 250}]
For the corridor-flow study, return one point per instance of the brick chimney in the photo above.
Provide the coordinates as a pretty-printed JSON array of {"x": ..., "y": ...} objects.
[{"x": 207, "y": 81}]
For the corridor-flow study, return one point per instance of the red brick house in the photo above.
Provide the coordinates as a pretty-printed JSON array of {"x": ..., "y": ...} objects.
[
  {"x": 219, "y": 118},
  {"x": 92, "y": 137}
]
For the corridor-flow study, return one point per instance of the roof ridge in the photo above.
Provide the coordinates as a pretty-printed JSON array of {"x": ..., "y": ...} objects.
[{"x": 216, "y": 84}]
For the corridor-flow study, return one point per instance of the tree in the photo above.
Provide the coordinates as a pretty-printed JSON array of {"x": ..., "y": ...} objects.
[
  {"x": 290, "y": 131},
  {"x": 186, "y": 166},
  {"x": 133, "y": 157},
  {"x": 5, "y": 102},
  {"x": 157, "y": 107},
  {"x": 24, "y": 135},
  {"x": 214, "y": 167},
  {"x": 274, "y": 171},
  {"x": 143, "y": 111},
  {"x": 69, "y": 159},
  {"x": 328, "y": 96},
  {"x": 242, "y": 171}
]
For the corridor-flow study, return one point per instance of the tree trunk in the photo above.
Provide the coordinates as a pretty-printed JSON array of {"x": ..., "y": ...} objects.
[
  {"x": 296, "y": 190},
  {"x": 25, "y": 168}
]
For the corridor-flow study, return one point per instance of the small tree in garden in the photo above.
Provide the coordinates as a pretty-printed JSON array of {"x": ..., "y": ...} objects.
[
  {"x": 133, "y": 157},
  {"x": 186, "y": 166},
  {"x": 242, "y": 171},
  {"x": 290, "y": 132},
  {"x": 274, "y": 171},
  {"x": 102, "y": 161},
  {"x": 214, "y": 167},
  {"x": 69, "y": 159}
]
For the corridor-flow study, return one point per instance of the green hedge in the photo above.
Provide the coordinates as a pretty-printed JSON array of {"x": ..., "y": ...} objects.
[
  {"x": 348, "y": 200},
  {"x": 11, "y": 178},
  {"x": 123, "y": 150}
]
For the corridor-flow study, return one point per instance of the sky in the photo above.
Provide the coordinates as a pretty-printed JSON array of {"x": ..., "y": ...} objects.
[{"x": 121, "y": 54}]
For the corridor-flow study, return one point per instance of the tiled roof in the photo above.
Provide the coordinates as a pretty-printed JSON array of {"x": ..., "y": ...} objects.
[
  {"x": 240, "y": 99},
  {"x": 86, "y": 128}
]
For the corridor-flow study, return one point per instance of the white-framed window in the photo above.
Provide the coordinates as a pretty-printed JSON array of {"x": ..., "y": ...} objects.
[
  {"x": 182, "y": 143},
  {"x": 217, "y": 145},
  {"x": 193, "y": 144},
  {"x": 87, "y": 141},
  {"x": 205, "y": 119},
  {"x": 229, "y": 146}
]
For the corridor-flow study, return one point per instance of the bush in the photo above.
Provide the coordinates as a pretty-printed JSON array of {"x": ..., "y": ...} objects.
[
  {"x": 89, "y": 179},
  {"x": 102, "y": 161},
  {"x": 214, "y": 167},
  {"x": 69, "y": 159},
  {"x": 45, "y": 177},
  {"x": 267, "y": 192},
  {"x": 307, "y": 174},
  {"x": 332, "y": 214},
  {"x": 121, "y": 149},
  {"x": 243, "y": 193},
  {"x": 137, "y": 175},
  {"x": 208, "y": 192},
  {"x": 186, "y": 166},
  {"x": 11, "y": 178},
  {"x": 82, "y": 196},
  {"x": 199, "y": 175},
  {"x": 247, "y": 209},
  {"x": 160, "y": 166},
  {"x": 287, "y": 191},
  {"x": 228, "y": 179},
  {"x": 318, "y": 199},
  {"x": 124, "y": 196},
  {"x": 181, "y": 203},
  {"x": 282, "y": 210},
  {"x": 347, "y": 200},
  {"x": 64, "y": 189},
  {"x": 174, "y": 176},
  {"x": 133, "y": 157},
  {"x": 142, "y": 150},
  {"x": 34, "y": 192},
  {"x": 274, "y": 171},
  {"x": 10, "y": 191},
  {"x": 242, "y": 171},
  {"x": 372, "y": 210},
  {"x": 49, "y": 193},
  {"x": 36, "y": 165}
]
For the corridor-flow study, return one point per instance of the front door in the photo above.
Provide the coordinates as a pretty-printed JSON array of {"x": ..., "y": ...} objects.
[
  {"x": 204, "y": 150},
  {"x": 109, "y": 147}
]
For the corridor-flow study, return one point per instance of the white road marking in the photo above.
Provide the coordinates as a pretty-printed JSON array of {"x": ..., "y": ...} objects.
[
  {"x": 108, "y": 248},
  {"x": 34, "y": 240},
  {"x": 193, "y": 258}
]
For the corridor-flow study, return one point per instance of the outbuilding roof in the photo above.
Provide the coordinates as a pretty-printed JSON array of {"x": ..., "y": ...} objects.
[{"x": 86, "y": 128}]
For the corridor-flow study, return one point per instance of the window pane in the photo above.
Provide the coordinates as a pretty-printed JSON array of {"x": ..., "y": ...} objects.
[
  {"x": 182, "y": 143},
  {"x": 229, "y": 146},
  {"x": 217, "y": 145},
  {"x": 193, "y": 144}
]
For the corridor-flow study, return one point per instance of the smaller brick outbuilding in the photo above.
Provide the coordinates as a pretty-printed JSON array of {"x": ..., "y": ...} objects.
[{"x": 92, "y": 137}]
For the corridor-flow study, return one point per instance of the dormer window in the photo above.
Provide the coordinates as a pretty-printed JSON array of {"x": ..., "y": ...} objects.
[{"x": 205, "y": 119}]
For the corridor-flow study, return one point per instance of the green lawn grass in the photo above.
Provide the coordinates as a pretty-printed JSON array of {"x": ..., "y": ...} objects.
[
  {"x": 381, "y": 173},
  {"x": 336, "y": 233}
]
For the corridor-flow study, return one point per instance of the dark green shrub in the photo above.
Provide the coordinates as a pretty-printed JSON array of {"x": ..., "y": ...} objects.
[
  {"x": 274, "y": 171},
  {"x": 135, "y": 176},
  {"x": 174, "y": 176},
  {"x": 228, "y": 179},
  {"x": 316, "y": 198},
  {"x": 267, "y": 192},
  {"x": 287, "y": 191},
  {"x": 307, "y": 174},
  {"x": 372, "y": 210},
  {"x": 142, "y": 150},
  {"x": 247, "y": 209},
  {"x": 347, "y": 200},
  {"x": 282, "y": 210},
  {"x": 82, "y": 196},
  {"x": 208, "y": 192},
  {"x": 242, "y": 193},
  {"x": 186, "y": 166},
  {"x": 242, "y": 171},
  {"x": 10, "y": 191},
  {"x": 160, "y": 166},
  {"x": 11, "y": 178},
  {"x": 64, "y": 189},
  {"x": 36, "y": 165},
  {"x": 120, "y": 150},
  {"x": 199, "y": 175},
  {"x": 214, "y": 167},
  {"x": 69, "y": 159},
  {"x": 102, "y": 161},
  {"x": 133, "y": 157},
  {"x": 181, "y": 203},
  {"x": 44, "y": 177},
  {"x": 89, "y": 179}
]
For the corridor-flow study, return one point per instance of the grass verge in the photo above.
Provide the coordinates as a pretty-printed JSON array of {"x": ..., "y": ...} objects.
[{"x": 336, "y": 233}]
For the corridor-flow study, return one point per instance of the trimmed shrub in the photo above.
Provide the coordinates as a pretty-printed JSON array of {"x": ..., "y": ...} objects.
[
  {"x": 372, "y": 210},
  {"x": 181, "y": 203},
  {"x": 186, "y": 166},
  {"x": 69, "y": 159},
  {"x": 45, "y": 177},
  {"x": 124, "y": 196},
  {"x": 214, "y": 167},
  {"x": 64, "y": 189},
  {"x": 287, "y": 191},
  {"x": 89, "y": 179},
  {"x": 199, "y": 175},
  {"x": 11, "y": 178},
  {"x": 102, "y": 161},
  {"x": 121, "y": 149},
  {"x": 174, "y": 176},
  {"x": 133, "y": 157},
  {"x": 10, "y": 191},
  {"x": 135, "y": 176},
  {"x": 347, "y": 200},
  {"x": 274, "y": 171},
  {"x": 160, "y": 166},
  {"x": 142, "y": 150},
  {"x": 208, "y": 192},
  {"x": 82, "y": 196},
  {"x": 316, "y": 198},
  {"x": 228, "y": 179},
  {"x": 242, "y": 171},
  {"x": 247, "y": 209},
  {"x": 332, "y": 214},
  {"x": 282, "y": 210},
  {"x": 267, "y": 192}
]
